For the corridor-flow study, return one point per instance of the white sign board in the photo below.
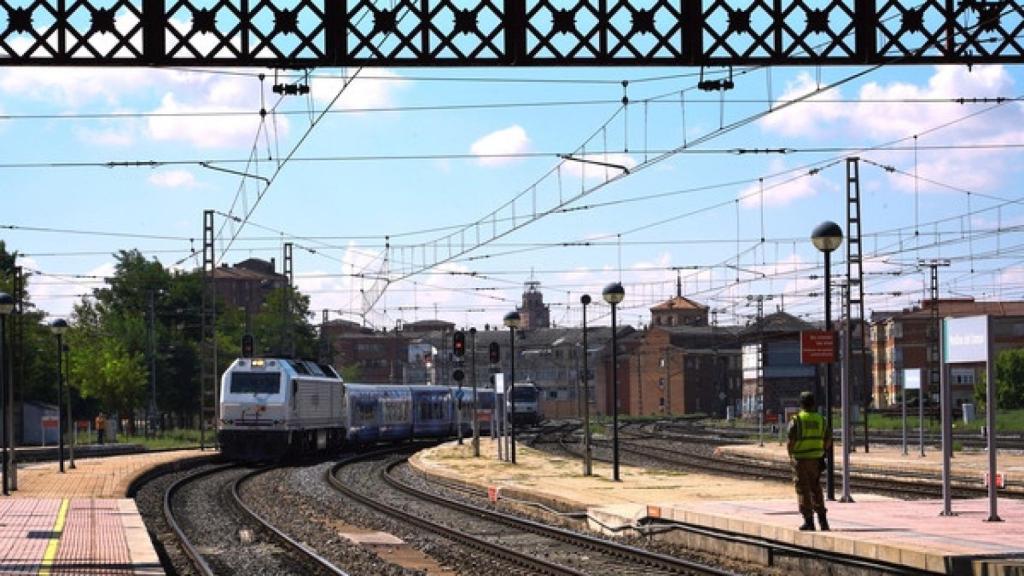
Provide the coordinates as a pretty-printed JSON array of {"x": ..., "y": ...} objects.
[
  {"x": 499, "y": 383},
  {"x": 965, "y": 339},
  {"x": 911, "y": 378}
]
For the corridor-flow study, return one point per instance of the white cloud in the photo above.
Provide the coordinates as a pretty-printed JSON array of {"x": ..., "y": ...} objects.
[
  {"x": 784, "y": 190},
  {"x": 57, "y": 295},
  {"x": 74, "y": 87},
  {"x": 182, "y": 120},
  {"x": 373, "y": 88},
  {"x": 511, "y": 140},
  {"x": 113, "y": 137},
  {"x": 173, "y": 179},
  {"x": 807, "y": 117},
  {"x": 879, "y": 116}
]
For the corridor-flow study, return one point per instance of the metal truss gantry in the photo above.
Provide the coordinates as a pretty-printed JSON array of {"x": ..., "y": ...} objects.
[{"x": 317, "y": 33}]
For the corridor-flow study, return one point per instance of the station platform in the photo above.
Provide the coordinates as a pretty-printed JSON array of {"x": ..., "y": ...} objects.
[
  {"x": 79, "y": 521},
  {"x": 909, "y": 534}
]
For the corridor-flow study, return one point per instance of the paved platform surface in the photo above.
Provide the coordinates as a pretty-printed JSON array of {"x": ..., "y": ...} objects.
[
  {"x": 910, "y": 533},
  {"x": 79, "y": 522}
]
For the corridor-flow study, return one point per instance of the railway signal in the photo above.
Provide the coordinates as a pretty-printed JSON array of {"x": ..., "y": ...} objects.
[
  {"x": 247, "y": 346},
  {"x": 459, "y": 344},
  {"x": 494, "y": 353}
]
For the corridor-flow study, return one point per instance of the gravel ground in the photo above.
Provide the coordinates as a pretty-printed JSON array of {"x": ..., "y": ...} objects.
[
  {"x": 300, "y": 502},
  {"x": 410, "y": 476},
  {"x": 150, "y": 502}
]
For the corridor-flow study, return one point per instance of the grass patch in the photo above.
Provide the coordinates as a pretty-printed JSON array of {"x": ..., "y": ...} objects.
[
  {"x": 166, "y": 440},
  {"x": 1006, "y": 421}
]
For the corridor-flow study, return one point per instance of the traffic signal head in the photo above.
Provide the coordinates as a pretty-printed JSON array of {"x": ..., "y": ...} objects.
[
  {"x": 459, "y": 344},
  {"x": 494, "y": 353}
]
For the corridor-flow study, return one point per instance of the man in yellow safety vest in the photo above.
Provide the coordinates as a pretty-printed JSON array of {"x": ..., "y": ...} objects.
[{"x": 808, "y": 441}]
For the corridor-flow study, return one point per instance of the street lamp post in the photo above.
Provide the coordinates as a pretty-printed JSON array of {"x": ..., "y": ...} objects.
[
  {"x": 587, "y": 462},
  {"x": 826, "y": 237},
  {"x": 6, "y": 307},
  {"x": 59, "y": 327},
  {"x": 512, "y": 321},
  {"x": 613, "y": 294},
  {"x": 69, "y": 417}
]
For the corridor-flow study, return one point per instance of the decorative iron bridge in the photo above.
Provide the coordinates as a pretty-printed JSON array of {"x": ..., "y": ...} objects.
[{"x": 316, "y": 33}]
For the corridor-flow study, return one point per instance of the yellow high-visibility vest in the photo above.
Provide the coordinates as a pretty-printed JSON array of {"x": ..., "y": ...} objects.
[{"x": 810, "y": 436}]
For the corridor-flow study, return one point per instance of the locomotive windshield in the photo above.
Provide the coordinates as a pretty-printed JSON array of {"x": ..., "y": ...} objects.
[
  {"x": 255, "y": 382},
  {"x": 524, "y": 393}
]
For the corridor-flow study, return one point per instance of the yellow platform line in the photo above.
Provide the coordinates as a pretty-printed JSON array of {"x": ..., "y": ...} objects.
[{"x": 54, "y": 544}]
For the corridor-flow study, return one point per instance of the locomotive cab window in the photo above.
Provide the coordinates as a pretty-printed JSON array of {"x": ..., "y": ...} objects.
[{"x": 255, "y": 382}]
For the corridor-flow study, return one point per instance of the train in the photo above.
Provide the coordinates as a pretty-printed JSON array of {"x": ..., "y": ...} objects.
[{"x": 275, "y": 407}]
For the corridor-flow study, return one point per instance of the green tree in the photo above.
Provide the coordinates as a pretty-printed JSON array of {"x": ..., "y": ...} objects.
[
  {"x": 34, "y": 357},
  {"x": 277, "y": 325},
  {"x": 1009, "y": 381}
]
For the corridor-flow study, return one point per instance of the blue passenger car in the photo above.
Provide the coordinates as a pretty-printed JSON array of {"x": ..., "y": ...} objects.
[
  {"x": 432, "y": 415},
  {"x": 395, "y": 413},
  {"x": 361, "y": 409},
  {"x": 463, "y": 399}
]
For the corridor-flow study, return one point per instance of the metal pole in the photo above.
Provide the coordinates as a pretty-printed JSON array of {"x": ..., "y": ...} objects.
[
  {"x": 5, "y": 382},
  {"x": 844, "y": 404},
  {"x": 830, "y": 454},
  {"x": 70, "y": 417},
  {"x": 476, "y": 399},
  {"x": 152, "y": 362},
  {"x": 615, "y": 403},
  {"x": 587, "y": 462},
  {"x": 947, "y": 425},
  {"x": 60, "y": 404},
  {"x": 903, "y": 408},
  {"x": 920, "y": 416},
  {"x": 990, "y": 422},
  {"x": 512, "y": 388}
]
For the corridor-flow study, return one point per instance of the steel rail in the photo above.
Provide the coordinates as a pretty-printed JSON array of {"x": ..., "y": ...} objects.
[
  {"x": 902, "y": 482},
  {"x": 630, "y": 553},
  {"x": 521, "y": 559},
  {"x": 190, "y": 550},
  {"x": 308, "y": 553}
]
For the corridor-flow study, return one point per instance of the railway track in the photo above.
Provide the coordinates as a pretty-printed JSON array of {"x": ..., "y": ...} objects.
[
  {"x": 642, "y": 448},
  {"x": 529, "y": 547},
  {"x": 221, "y": 535},
  {"x": 1011, "y": 441}
]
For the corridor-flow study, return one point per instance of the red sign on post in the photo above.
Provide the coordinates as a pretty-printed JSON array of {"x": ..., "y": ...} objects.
[{"x": 817, "y": 346}]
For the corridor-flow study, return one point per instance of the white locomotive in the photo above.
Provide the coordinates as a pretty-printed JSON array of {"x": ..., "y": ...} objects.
[{"x": 274, "y": 406}]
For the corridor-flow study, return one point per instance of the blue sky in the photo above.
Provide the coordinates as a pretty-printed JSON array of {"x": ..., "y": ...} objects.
[{"x": 410, "y": 154}]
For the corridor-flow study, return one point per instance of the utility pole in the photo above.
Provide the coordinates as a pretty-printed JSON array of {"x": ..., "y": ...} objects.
[
  {"x": 759, "y": 301},
  {"x": 151, "y": 420}
]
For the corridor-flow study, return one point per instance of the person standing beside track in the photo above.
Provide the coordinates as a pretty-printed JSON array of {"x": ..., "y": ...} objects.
[
  {"x": 101, "y": 427},
  {"x": 808, "y": 441}
]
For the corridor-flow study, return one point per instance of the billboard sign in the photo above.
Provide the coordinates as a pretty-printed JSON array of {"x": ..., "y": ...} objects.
[
  {"x": 817, "y": 346},
  {"x": 911, "y": 378},
  {"x": 965, "y": 339}
]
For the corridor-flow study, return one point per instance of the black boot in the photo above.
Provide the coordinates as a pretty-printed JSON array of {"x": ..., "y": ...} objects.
[
  {"x": 823, "y": 522},
  {"x": 808, "y": 523}
]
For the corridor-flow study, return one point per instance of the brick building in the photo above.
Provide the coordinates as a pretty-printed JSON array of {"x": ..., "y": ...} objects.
[
  {"x": 684, "y": 369},
  {"x": 247, "y": 284},
  {"x": 779, "y": 372},
  {"x": 901, "y": 340}
]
